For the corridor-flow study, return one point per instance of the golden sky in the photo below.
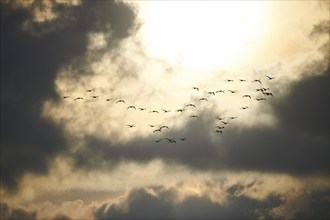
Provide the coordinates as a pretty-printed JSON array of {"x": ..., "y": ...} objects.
[{"x": 269, "y": 160}]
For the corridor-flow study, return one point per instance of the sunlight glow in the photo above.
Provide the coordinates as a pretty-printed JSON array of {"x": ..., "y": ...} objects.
[{"x": 202, "y": 35}]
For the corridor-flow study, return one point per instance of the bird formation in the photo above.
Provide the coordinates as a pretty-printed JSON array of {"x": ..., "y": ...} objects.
[{"x": 259, "y": 94}]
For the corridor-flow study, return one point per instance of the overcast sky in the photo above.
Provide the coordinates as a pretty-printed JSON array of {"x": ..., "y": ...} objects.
[{"x": 164, "y": 110}]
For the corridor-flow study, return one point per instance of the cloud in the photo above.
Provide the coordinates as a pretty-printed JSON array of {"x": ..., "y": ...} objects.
[
  {"x": 297, "y": 144},
  {"x": 160, "y": 202},
  {"x": 9, "y": 213},
  {"x": 28, "y": 140}
]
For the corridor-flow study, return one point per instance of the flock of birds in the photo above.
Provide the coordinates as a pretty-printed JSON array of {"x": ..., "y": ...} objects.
[{"x": 262, "y": 94}]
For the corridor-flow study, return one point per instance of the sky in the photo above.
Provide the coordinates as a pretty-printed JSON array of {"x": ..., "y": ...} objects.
[{"x": 164, "y": 110}]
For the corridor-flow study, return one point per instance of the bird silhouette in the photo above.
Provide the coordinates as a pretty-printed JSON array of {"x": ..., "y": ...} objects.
[
  {"x": 108, "y": 100},
  {"x": 194, "y": 116},
  {"x": 225, "y": 123},
  {"x": 166, "y": 111},
  {"x": 196, "y": 88},
  {"x": 270, "y": 78},
  {"x": 152, "y": 126},
  {"x": 257, "y": 80},
  {"x": 78, "y": 98},
  {"x": 260, "y": 99},
  {"x": 159, "y": 140},
  {"x": 121, "y": 100},
  {"x": 153, "y": 111},
  {"x": 245, "y": 107},
  {"x": 142, "y": 109},
  {"x": 90, "y": 90},
  {"x": 183, "y": 139},
  {"x": 233, "y": 117},
  {"x": 131, "y": 106},
  {"x": 164, "y": 126},
  {"x": 229, "y": 80},
  {"x": 219, "y": 131},
  {"x": 242, "y": 80},
  {"x": 219, "y": 118},
  {"x": 170, "y": 140},
  {"x": 220, "y": 127},
  {"x": 232, "y": 91},
  {"x": 131, "y": 126},
  {"x": 192, "y": 105},
  {"x": 65, "y": 97},
  {"x": 180, "y": 110},
  {"x": 268, "y": 93},
  {"x": 220, "y": 91},
  {"x": 211, "y": 93},
  {"x": 248, "y": 96},
  {"x": 157, "y": 130},
  {"x": 94, "y": 96},
  {"x": 201, "y": 99}
]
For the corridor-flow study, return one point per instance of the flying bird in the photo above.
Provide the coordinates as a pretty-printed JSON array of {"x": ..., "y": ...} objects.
[
  {"x": 131, "y": 106},
  {"x": 268, "y": 93},
  {"x": 65, "y": 97},
  {"x": 166, "y": 111},
  {"x": 159, "y": 140},
  {"x": 220, "y": 91},
  {"x": 270, "y": 78},
  {"x": 260, "y": 99},
  {"x": 142, "y": 109},
  {"x": 211, "y": 93},
  {"x": 78, "y": 98},
  {"x": 94, "y": 96},
  {"x": 194, "y": 116},
  {"x": 245, "y": 107},
  {"x": 180, "y": 110},
  {"x": 201, "y": 99},
  {"x": 257, "y": 80},
  {"x": 170, "y": 140},
  {"x": 152, "y": 126},
  {"x": 248, "y": 96},
  {"x": 157, "y": 130},
  {"x": 225, "y": 123},
  {"x": 233, "y": 117},
  {"x": 219, "y": 118},
  {"x": 196, "y": 88},
  {"x": 192, "y": 105},
  {"x": 90, "y": 90},
  {"x": 120, "y": 100},
  {"x": 164, "y": 126},
  {"x": 229, "y": 80},
  {"x": 220, "y": 127},
  {"x": 219, "y": 131},
  {"x": 242, "y": 80},
  {"x": 108, "y": 100},
  {"x": 131, "y": 126},
  {"x": 153, "y": 111},
  {"x": 183, "y": 139},
  {"x": 232, "y": 91}
]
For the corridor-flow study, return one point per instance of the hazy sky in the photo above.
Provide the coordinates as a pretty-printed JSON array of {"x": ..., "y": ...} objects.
[{"x": 225, "y": 111}]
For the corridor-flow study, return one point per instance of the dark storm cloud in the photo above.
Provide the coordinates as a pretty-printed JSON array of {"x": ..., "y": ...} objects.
[
  {"x": 142, "y": 205},
  {"x": 28, "y": 69},
  {"x": 9, "y": 213}
]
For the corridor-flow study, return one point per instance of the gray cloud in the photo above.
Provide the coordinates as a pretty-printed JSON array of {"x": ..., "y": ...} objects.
[
  {"x": 9, "y": 213},
  {"x": 140, "y": 204},
  {"x": 28, "y": 70}
]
